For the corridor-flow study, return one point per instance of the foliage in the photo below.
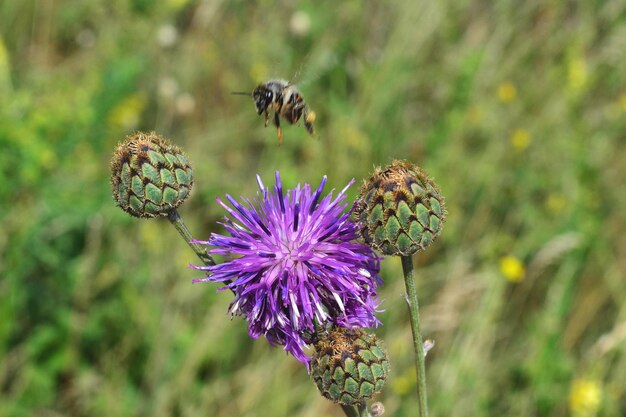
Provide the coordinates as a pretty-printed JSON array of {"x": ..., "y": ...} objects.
[{"x": 518, "y": 110}]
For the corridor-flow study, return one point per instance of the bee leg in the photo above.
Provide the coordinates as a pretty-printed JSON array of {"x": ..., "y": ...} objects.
[
  {"x": 309, "y": 118},
  {"x": 267, "y": 118},
  {"x": 280, "y": 131}
]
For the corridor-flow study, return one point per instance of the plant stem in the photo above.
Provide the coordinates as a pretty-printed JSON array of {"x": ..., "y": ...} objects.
[
  {"x": 363, "y": 411},
  {"x": 350, "y": 411},
  {"x": 360, "y": 410},
  {"x": 178, "y": 223},
  {"x": 418, "y": 346}
]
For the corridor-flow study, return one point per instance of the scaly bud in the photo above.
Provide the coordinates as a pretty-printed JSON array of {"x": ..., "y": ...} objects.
[
  {"x": 400, "y": 209},
  {"x": 349, "y": 365},
  {"x": 150, "y": 176}
]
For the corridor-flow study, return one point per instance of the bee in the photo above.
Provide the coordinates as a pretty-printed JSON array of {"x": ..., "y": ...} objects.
[{"x": 284, "y": 100}]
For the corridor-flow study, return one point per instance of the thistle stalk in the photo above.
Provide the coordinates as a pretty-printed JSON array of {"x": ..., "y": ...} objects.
[
  {"x": 356, "y": 411},
  {"x": 180, "y": 226},
  {"x": 349, "y": 410},
  {"x": 418, "y": 345},
  {"x": 363, "y": 410}
]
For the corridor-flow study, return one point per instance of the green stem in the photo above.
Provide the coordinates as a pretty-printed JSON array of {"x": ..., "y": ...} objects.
[
  {"x": 360, "y": 410},
  {"x": 350, "y": 411},
  {"x": 418, "y": 346},
  {"x": 178, "y": 223},
  {"x": 363, "y": 410}
]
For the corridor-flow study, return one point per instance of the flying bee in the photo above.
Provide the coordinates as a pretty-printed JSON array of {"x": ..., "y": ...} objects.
[{"x": 284, "y": 99}]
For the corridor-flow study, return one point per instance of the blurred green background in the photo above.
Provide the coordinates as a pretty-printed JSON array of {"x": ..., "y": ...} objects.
[{"x": 517, "y": 109}]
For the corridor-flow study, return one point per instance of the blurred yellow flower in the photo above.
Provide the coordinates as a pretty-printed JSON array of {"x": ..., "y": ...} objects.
[
  {"x": 353, "y": 137},
  {"x": 474, "y": 115},
  {"x": 577, "y": 74},
  {"x": 4, "y": 55},
  {"x": 622, "y": 102},
  {"x": 520, "y": 139},
  {"x": 149, "y": 233},
  {"x": 512, "y": 268},
  {"x": 405, "y": 383},
  {"x": 556, "y": 203},
  {"x": 258, "y": 72},
  {"x": 507, "y": 92},
  {"x": 5, "y": 78},
  {"x": 127, "y": 113},
  {"x": 177, "y": 4},
  {"x": 48, "y": 158},
  {"x": 585, "y": 397}
]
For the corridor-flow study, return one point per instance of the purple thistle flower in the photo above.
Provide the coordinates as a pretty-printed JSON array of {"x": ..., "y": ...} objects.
[{"x": 291, "y": 261}]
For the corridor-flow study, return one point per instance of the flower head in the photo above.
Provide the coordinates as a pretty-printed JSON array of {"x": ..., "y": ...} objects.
[
  {"x": 520, "y": 139},
  {"x": 512, "y": 268},
  {"x": 507, "y": 92},
  {"x": 585, "y": 397},
  {"x": 401, "y": 210},
  {"x": 150, "y": 176},
  {"x": 349, "y": 366},
  {"x": 291, "y": 261}
]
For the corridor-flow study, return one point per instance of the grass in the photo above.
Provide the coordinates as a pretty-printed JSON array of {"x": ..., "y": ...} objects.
[{"x": 518, "y": 110}]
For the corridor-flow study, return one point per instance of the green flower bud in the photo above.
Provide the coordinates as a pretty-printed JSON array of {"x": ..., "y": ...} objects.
[
  {"x": 349, "y": 365},
  {"x": 150, "y": 176},
  {"x": 400, "y": 209}
]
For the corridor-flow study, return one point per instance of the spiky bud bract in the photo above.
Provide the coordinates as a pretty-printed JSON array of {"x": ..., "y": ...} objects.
[
  {"x": 150, "y": 177},
  {"x": 400, "y": 209},
  {"x": 349, "y": 365}
]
